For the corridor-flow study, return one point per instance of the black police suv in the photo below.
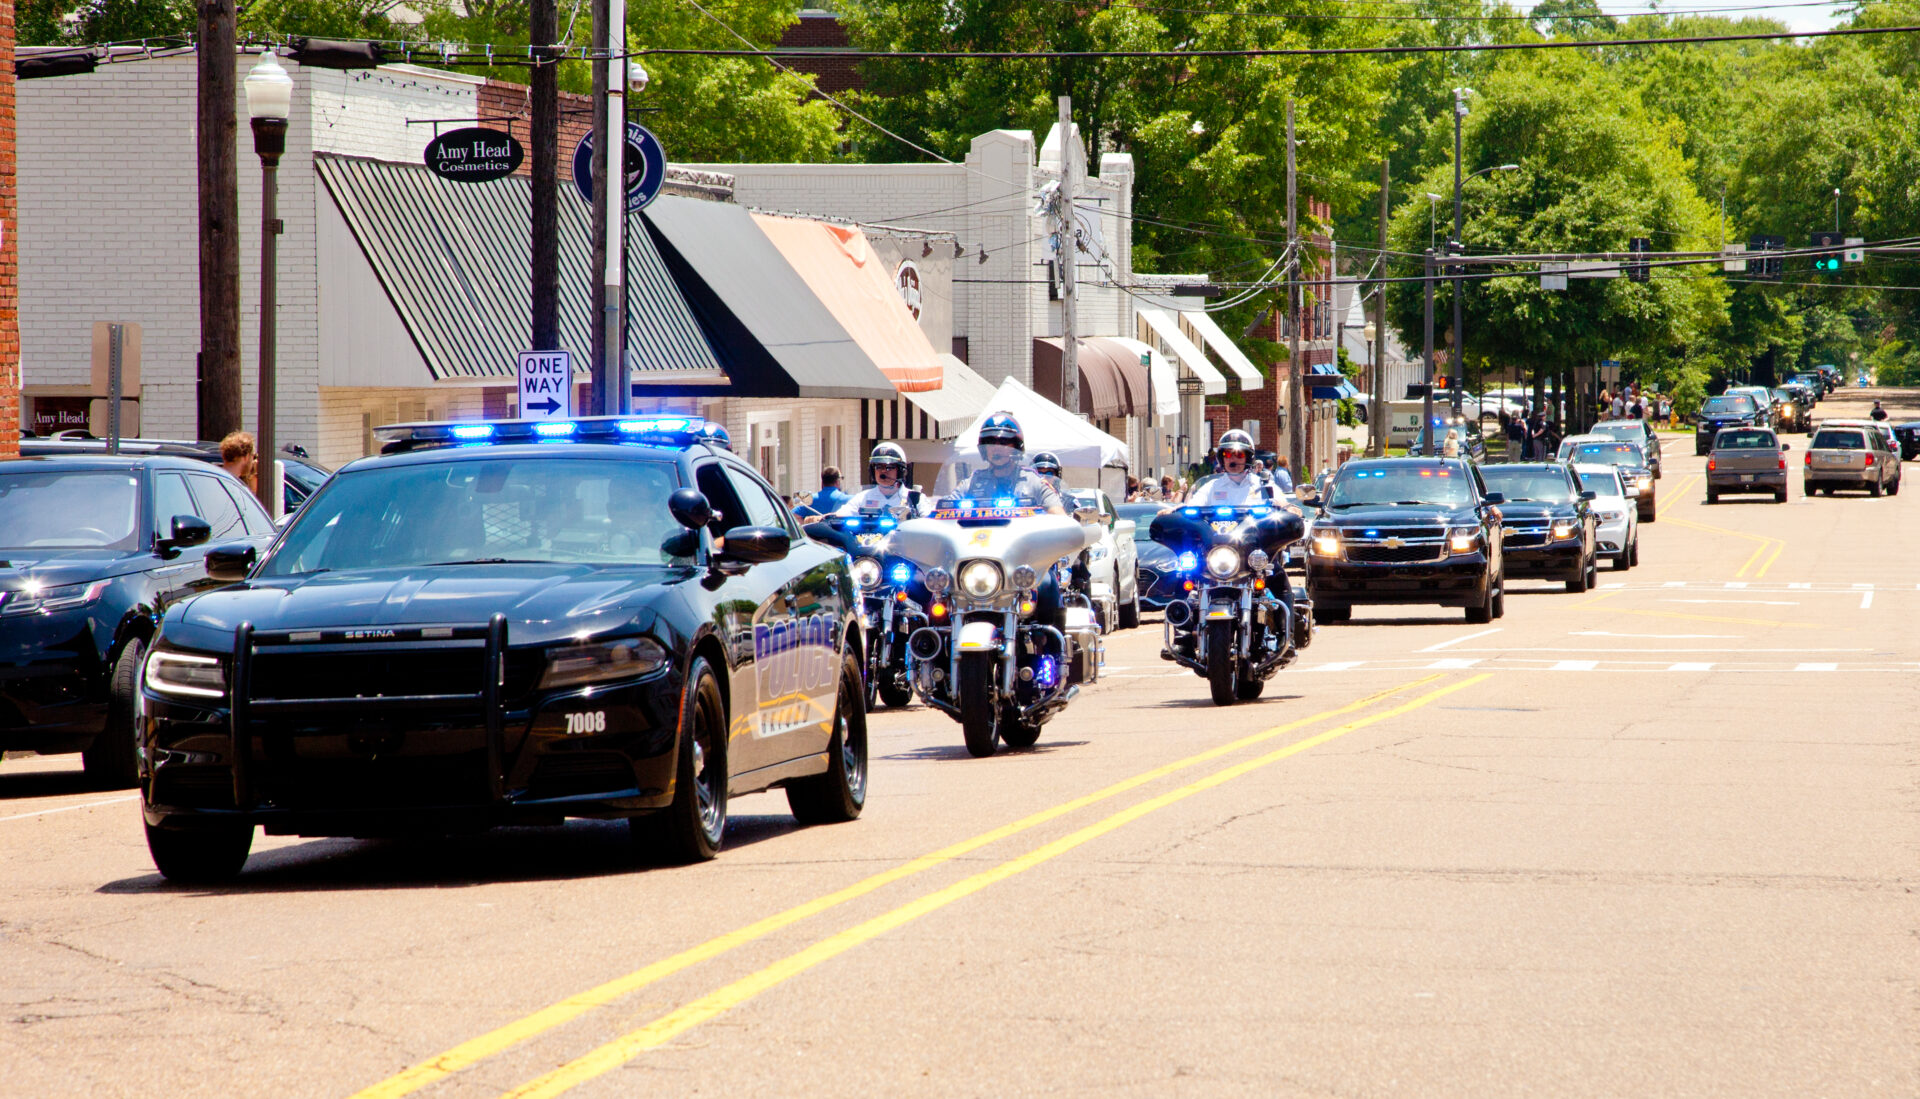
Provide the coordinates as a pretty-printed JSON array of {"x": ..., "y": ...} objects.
[
  {"x": 93, "y": 549},
  {"x": 1407, "y": 530},
  {"x": 494, "y": 623},
  {"x": 1726, "y": 410},
  {"x": 1548, "y": 529}
]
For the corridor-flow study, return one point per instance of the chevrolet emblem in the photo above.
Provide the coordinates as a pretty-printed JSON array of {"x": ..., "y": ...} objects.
[{"x": 1393, "y": 543}]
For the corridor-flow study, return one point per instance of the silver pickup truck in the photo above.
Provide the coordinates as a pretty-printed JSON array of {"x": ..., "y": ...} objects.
[{"x": 1747, "y": 459}]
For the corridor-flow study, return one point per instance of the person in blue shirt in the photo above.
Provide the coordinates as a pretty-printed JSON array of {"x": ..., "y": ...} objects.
[{"x": 830, "y": 497}]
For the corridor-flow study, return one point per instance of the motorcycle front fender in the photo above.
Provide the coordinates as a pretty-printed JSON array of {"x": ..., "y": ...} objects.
[{"x": 979, "y": 637}]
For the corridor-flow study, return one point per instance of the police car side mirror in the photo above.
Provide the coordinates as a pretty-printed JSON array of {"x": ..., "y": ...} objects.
[
  {"x": 230, "y": 562},
  {"x": 1495, "y": 499},
  {"x": 757, "y": 545},
  {"x": 1589, "y": 494},
  {"x": 188, "y": 530},
  {"x": 689, "y": 508}
]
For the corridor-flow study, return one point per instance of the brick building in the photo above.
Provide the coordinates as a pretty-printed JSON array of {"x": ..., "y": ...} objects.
[{"x": 821, "y": 30}]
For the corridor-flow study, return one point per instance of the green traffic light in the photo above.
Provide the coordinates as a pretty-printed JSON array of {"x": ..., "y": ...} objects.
[{"x": 1826, "y": 263}]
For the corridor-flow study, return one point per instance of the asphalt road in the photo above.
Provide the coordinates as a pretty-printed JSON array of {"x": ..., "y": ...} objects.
[{"x": 1658, "y": 839}]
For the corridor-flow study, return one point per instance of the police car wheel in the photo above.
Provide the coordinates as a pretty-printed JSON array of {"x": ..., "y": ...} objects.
[
  {"x": 690, "y": 829},
  {"x": 111, "y": 761},
  {"x": 838, "y": 794},
  {"x": 200, "y": 855}
]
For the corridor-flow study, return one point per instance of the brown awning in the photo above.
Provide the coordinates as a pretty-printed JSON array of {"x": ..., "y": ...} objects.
[{"x": 1112, "y": 381}]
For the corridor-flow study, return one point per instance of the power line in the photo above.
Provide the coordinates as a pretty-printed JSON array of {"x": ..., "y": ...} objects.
[{"x": 1312, "y": 16}]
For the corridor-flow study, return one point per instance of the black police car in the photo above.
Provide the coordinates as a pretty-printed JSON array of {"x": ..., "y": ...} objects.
[
  {"x": 1407, "y": 530},
  {"x": 1909, "y": 436},
  {"x": 496, "y": 623},
  {"x": 1549, "y": 530},
  {"x": 1727, "y": 410},
  {"x": 92, "y": 551}
]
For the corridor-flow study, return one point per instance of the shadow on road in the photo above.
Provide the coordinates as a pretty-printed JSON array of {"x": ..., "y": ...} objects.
[
  {"x": 43, "y": 784},
  {"x": 1449, "y": 620},
  {"x": 579, "y": 849},
  {"x": 937, "y": 752},
  {"x": 1205, "y": 701}
]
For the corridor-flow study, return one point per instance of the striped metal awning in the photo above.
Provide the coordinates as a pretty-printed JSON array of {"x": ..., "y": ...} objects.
[
  {"x": 930, "y": 414},
  {"x": 453, "y": 259}
]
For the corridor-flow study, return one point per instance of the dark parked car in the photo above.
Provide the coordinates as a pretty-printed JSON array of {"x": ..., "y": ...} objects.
[
  {"x": 304, "y": 476},
  {"x": 1548, "y": 527},
  {"x": 1406, "y": 530},
  {"x": 93, "y": 549},
  {"x": 1747, "y": 459},
  {"x": 481, "y": 627},
  {"x": 1726, "y": 410}
]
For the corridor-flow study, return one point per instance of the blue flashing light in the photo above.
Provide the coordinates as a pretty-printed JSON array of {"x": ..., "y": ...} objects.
[
  {"x": 1048, "y": 671},
  {"x": 1223, "y": 513},
  {"x": 473, "y": 431},
  {"x": 658, "y": 424},
  {"x": 853, "y": 524},
  {"x": 1373, "y": 534},
  {"x": 1191, "y": 513},
  {"x": 1004, "y": 502},
  {"x": 1188, "y": 561},
  {"x": 886, "y": 524},
  {"x": 1262, "y": 513},
  {"x": 901, "y": 573},
  {"x": 557, "y": 429}
]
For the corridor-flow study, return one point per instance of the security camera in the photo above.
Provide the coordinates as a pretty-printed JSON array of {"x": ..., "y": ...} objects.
[{"x": 636, "y": 77}]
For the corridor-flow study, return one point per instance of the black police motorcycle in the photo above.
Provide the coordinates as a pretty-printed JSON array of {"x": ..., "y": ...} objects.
[
  {"x": 893, "y": 598},
  {"x": 1231, "y": 626}
]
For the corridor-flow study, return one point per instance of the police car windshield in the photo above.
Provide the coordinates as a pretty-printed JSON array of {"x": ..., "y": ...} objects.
[
  {"x": 1613, "y": 454},
  {"x": 1533, "y": 486},
  {"x": 1411, "y": 485},
  {"x": 79, "y": 509},
  {"x": 1603, "y": 484},
  {"x": 557, "y": 509},
  {"x": 1736, "y": 405}
]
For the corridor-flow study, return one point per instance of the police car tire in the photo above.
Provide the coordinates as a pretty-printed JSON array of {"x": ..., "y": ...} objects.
[
  {"x": 111, "y": 761},
  {"x": 200, "y": 856},
  {"x": 678, "y": 833},
  {"x": 839, "y": 793}
]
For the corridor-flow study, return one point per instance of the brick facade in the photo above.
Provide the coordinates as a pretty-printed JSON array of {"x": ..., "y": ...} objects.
[
  {"x": 9, "y": 251},
  {"x": 821, "y": 30}
]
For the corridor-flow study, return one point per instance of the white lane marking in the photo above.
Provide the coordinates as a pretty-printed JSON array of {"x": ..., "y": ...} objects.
[
  {"x": 1750, "y": 602},
  {"x": 1690, "y": 667},
  {"x": 1458, "y": 640},
  {"x": 1803, "y": 586},
  {"x": 1736, "y": 583},
  {"x": 1335, "y": 666},
  {"x": 1866, "y": 600},
  {"x": 70, "y": 808},
  {"x": 1452, "y": 665},
  {"x": 1614, "y": 584},
  {"x": 1657, "y": 636},
  {"x": 1863, "y": 585},
  {"x": 1674, "y": 584},
  {"x": 1574, "y": 666},
  {"x": 1816, "y": 667}
]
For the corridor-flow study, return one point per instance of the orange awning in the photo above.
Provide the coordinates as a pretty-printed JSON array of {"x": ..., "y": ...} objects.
[{"x": 842, "y": 271}]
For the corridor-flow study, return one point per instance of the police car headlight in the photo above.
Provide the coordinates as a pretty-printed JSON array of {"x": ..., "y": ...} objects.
[
  {"x": 1464, "y": 540},
  {"x": 980, "y": 579},
  {"x": 1024, "y": 577},
  {"x": 1564, "y": 529},
  {"x": 866, "y": 572},
  {"x": 1326, "y": 543},
  {"x": 938, "y": 580},
  {"x": 186, "y": 675},
  {"x": 624, "y": 658},
  {"x": 1222, "y": 562},
  {"x": 1612, "y": 516}
]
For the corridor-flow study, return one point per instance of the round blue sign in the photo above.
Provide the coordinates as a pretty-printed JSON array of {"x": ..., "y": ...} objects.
[{"x": 645, "y": 163}]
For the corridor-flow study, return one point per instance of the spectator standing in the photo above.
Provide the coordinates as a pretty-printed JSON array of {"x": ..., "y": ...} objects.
[
  {"x": 830, "y": 497},
  {"x": 238, "y": 458}
]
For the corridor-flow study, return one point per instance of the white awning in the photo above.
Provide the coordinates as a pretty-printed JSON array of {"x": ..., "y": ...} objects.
[
  {"x": 1166, "y": 388},
  {"x": 1168, "y": 329},
  {"x": 1236, "y": 359}
]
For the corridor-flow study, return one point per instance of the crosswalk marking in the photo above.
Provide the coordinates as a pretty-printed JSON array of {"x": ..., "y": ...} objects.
[
  {"x": 1691, "y": 667},
  {"x": 1453, "y": 664},
  {"x": 1333, "y": 666},
  {"x": 1800, "y": 586},
  {"x": 1736, "y": 583},
  {"x": 1541, "y": 664},
  {"x": 1575, "y": 666},
  {"x": 1815, "y": 667}
]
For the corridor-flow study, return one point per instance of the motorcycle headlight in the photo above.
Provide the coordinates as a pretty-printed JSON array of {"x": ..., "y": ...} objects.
[
  {"x": 188, "y": 675},
  {"x": 980, "y": 579},
  {"x": 866, "y": 572},
  {"x": 1463, "y": 540},
  {"x": 1564, "y": 529},
  {"x": 1258, "y": 560},
  {"x": 1024, "y": 577},
  {"x": 1222, "y": 562},
  {"x": 34, "y": 599},
  {"x": 1326, "y": 543},
  {"x": 622, "y": 658},
  {"x": 939, "y": 580}
]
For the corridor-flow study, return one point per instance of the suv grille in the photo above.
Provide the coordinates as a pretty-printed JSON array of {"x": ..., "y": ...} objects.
[
  {"x": 1395, "y": 545},
  {"x": 1520, "y": 537}
]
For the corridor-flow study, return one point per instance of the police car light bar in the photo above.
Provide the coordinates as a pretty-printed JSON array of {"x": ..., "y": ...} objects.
[{"x": 674, "y": 431}]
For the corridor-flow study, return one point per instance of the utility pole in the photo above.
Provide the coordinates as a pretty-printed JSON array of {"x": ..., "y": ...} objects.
[
  {"x": 609, "y": 208},
  {"x": 1377, "y": 380},
  {"x": 1426, "y": 404},
  {"x": 1457, "y": 361},
  {"x": 1296, "y": 391},
  {"x": 543, "y": 27},
  {"x": 1069, "y": 257},
  {"x": 219, "y": 170}
]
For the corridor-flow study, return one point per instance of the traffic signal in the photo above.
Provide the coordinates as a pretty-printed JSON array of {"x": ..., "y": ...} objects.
[
  {"x": 1767, "y": 264},
  {"x": 1829, "y": 261},
  {"x": 1637, "y": 268}
]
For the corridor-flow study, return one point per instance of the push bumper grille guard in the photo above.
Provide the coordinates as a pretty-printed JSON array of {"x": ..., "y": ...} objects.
[{"x": 489, "y": 699}]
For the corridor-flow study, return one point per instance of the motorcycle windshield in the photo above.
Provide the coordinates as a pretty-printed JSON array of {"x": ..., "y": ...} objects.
[{"x": 1194, "y": 530}]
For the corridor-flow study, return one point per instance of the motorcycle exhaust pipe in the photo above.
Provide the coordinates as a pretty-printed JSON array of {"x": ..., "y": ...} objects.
[
  {"x": 924, "y": 644},
  {"x": 1180, "y": 614}
]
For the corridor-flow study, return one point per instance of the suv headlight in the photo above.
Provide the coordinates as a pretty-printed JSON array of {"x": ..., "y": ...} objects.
[
  {"x": 622, "y": 658},
  {"x": 1564, "y": 529},
  {"x": 866, "y": 572},
  {"x": 1463, "y": 540},
  {"x": 1326, "y": 543},
  {"x": 980, "y": 579},
  {"x": 34, "y": 599},
  {"x": 188, "y": 675},
  {"x": 1222, "y": 562}
]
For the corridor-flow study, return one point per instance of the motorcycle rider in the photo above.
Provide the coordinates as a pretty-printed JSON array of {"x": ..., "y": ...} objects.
[
  {"x": 1048, "y": 467},
  {"x": 887, "y": 465},
  {"x": 1237, "y": 485},
  {"x": 1001, "y": 443}
]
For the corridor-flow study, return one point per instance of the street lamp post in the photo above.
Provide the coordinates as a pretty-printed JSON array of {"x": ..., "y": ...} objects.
[
  {"x": 1433, "y": 233},
  {"x": 269, "y": 102}
]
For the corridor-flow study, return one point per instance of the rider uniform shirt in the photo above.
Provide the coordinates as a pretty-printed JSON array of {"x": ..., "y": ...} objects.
[
  {"x": 873, "y": 496},
  {"x": 1224, "y": 491},
  {"x": 1027, "y": 487}
]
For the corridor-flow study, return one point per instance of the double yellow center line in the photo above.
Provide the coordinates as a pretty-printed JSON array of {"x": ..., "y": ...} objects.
[{"x": 617, "y": 1052}]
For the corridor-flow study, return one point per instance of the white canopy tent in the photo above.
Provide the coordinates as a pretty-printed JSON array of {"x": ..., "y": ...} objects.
[{"x": 1090, "y": 456}]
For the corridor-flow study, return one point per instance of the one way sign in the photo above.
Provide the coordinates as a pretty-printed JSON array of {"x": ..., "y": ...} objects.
[{"x": 546, "y": 385}]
